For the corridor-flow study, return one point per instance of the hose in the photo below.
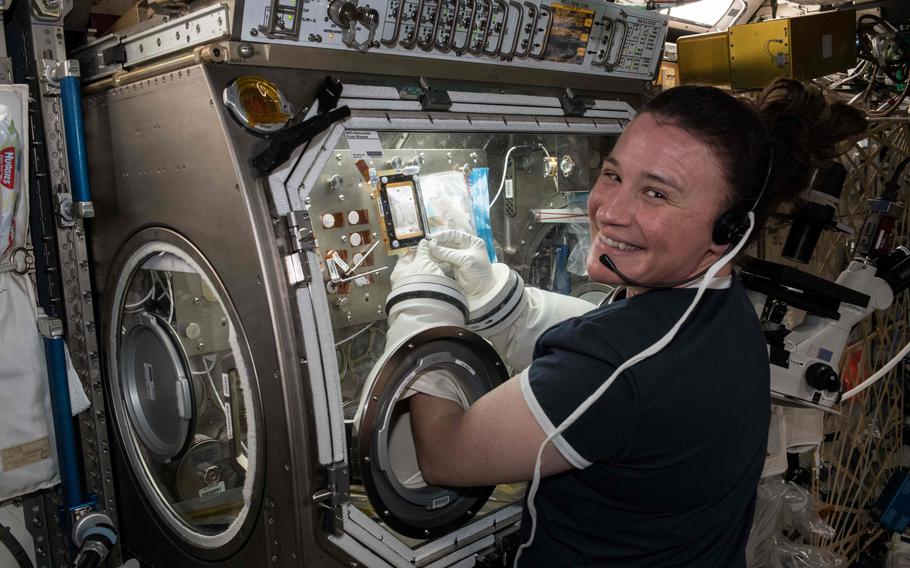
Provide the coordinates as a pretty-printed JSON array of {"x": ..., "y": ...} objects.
[{"x": 14, "y": 547}]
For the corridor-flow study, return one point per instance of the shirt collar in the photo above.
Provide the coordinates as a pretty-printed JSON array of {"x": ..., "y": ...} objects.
[{"x": 716, "y": 283}]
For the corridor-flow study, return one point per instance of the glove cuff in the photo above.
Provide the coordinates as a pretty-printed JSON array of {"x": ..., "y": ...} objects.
[
  {"x": 427, "y": 289},
  {"x": 499, "y": 307}
]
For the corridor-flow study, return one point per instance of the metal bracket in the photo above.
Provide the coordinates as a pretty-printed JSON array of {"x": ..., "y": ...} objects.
[
  {"x": 336, "y": 493},
  {"x": 49, "y": 327},
  {"x": 65, "y": 210},
  {"x": 300, "y": 233}
]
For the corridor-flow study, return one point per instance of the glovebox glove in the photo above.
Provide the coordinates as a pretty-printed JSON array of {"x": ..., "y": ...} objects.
[
  {"x": 468, "y": 256},
  {"x": 539, "y": 311},
  {"x": 438, "y": 383},
  {"x": 419, "y": 261}
]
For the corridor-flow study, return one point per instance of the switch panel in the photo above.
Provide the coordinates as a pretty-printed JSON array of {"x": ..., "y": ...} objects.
[{"x": 589, "y": 37}]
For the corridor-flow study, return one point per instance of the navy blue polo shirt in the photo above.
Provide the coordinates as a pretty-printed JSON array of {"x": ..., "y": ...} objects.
[{"x": 667, "y": 461}]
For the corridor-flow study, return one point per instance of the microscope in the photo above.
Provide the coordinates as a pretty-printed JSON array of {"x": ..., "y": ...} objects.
[{"x": 805, "y": 359}]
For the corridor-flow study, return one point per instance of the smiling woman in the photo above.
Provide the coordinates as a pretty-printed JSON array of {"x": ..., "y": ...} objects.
[{"x": 661, "y": 469}]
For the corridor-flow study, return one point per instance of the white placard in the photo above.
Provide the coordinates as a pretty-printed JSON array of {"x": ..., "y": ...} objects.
[{"x": 364, "y": 144}]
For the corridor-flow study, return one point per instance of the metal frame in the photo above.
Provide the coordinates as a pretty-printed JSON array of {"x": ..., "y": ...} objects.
[
  {"x": 353, "y": 531},
  {"x": 178, "y": 35}
]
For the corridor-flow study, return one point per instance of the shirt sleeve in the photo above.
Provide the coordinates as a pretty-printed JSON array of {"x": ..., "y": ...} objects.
[{"x": 572, "y": 361}]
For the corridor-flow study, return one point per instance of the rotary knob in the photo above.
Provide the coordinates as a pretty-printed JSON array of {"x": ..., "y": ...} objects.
[{"x": 822, "y": 377}]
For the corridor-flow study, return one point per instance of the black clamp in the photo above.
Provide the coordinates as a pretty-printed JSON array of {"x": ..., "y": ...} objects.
[
  {"x": 574, "y": 106},
  {"x": 433, "y": 99},
  {"x": 283, "y": 144}
]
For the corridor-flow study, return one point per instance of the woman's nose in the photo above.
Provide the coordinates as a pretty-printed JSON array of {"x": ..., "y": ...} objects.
[{"x": 614, "y": 207}]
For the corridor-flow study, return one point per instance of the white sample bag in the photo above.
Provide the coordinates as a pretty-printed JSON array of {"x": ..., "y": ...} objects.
[{"x": 27, "y": 448}]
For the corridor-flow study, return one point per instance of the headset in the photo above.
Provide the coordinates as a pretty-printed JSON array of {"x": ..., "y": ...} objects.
[
  {"x": 733, "y": 227},
  {"x": 728, "y": 229}
]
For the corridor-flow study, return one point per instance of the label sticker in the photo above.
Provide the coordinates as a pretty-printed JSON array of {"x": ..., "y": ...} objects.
[
  {"x": 212, "y": 490},
  {"x": 364, "y": 144},
  {"x": 228, "y": 422},
  {"x": 25, "y": 454},
  {"x": 569, "y": 34},
  {"x": 827, "y": 46},
  {"x": 225, "y": 386},
  {"x": 8, "y": 167}
]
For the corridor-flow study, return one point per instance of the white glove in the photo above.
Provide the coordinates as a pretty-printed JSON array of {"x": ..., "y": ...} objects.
[
  {"x": 468, "y": 256},
  {"x": 438, "y": 383},
  {"x": 417, "y": 262}
]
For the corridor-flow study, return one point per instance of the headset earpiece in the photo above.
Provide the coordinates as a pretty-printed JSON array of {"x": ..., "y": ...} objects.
[{"x": 729, "y": 227}]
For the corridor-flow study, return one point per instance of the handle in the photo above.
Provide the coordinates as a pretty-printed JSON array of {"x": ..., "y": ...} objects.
[
  {"x": 503, "y": 26},
  {"x": 481, "y": 44},
  {"x": 532, "y": 11},
  {"x": 447, "y": 45},
  {"x": 428, "y": 44},
  {"x": 548, "y": 10},
  {"x": 608, "y": 66},
  {"x": 467, "y": 40},
  {"x": 410, "y": 41},
  {"x": 394, "y": 39},
  {"x": 521, "y": 17}
]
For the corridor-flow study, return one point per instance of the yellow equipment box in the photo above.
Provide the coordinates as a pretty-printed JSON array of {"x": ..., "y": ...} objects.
[{"x": 750, "y": 56}]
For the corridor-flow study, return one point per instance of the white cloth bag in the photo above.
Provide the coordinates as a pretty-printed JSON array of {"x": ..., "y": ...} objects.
[{"x": 28, "y": 459}]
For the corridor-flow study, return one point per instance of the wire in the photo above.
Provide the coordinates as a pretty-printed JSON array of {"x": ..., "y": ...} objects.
[
  {"x": 14, "y": 547},
  {"x": 641, "y": 356},
  {"x": 350, "y": 337},
  {"x": 142, "y": 301},
  {"x": 205, "y": 372},
  {"x": 170, "y": 296},
  {"x": 877, "y": 375},
  {"x": 505, "y": 169}
]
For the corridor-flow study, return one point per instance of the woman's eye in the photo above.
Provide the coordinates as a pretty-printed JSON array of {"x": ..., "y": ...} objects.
[{"x": 655, "y": 194}]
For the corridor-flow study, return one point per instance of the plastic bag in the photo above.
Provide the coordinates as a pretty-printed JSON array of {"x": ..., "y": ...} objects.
[
  {"x": 788, "y": 554},
  {"x": 578, "y": 258},
  {"x": 12, "y": 170},
  {"x": 784, "y": 506},
  {"x": 447, "y": 202}
]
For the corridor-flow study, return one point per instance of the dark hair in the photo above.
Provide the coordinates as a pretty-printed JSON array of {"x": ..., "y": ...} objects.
[{"x": 790, "y": 121}]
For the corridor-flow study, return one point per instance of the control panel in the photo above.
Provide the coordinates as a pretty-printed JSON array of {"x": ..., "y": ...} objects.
[{"x": 590, "y": 37}]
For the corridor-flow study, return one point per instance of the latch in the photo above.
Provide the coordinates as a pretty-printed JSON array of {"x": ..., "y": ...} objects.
[
  {"x": 300, "y": 233},
  {"x": 336, "y": 493},
  {"x": 574, "y": 106},
  {"x": 430, "y": 99}
]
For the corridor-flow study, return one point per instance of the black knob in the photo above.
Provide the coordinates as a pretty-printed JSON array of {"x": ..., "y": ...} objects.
[{"x": 822, "y": 377}]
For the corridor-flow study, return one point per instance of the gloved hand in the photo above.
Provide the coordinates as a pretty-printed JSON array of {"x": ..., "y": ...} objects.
[
  {"x": 416, "y": 262},
  {"x": 468, "y": 256},
  {"x": 438, "y": 383}
]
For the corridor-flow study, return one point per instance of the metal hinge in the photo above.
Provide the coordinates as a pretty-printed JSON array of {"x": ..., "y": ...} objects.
[
  {"x": 300, "y": 233},
  {"x": 336, "y": 493}
]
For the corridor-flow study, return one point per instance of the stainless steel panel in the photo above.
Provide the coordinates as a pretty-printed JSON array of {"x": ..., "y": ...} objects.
[{"x": 163, "y": 153}]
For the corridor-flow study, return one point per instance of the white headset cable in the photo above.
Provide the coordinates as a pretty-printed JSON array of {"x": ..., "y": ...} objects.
[{"x": 644, "y": 354}]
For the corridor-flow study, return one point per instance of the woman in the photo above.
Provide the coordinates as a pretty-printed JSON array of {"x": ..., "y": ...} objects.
[{"x": 662, "y": 470}]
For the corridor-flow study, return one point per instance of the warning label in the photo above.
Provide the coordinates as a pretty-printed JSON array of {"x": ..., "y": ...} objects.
[
  {"x": 25, "y": 454},
  {"x": 570, "y": 34}
]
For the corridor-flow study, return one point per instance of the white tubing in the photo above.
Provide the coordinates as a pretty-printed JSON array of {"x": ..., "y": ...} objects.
[{"x": 877, "y": 375}]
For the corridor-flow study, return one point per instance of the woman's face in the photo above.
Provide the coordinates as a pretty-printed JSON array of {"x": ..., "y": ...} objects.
[{"x": 653, "y": 208}]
